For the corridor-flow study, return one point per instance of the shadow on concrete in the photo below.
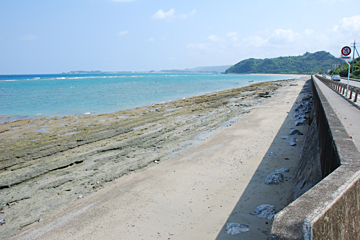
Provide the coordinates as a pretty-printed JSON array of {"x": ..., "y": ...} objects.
[{"x": 277, "y": 195}]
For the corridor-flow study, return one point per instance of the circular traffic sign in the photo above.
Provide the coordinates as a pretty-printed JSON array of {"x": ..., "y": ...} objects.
[{"x": 345, "y": 51}]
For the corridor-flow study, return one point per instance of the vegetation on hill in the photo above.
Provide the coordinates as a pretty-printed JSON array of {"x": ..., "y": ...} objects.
[
  {"x": 343, "y": 69},
  {"x": 318, "y": 62}
]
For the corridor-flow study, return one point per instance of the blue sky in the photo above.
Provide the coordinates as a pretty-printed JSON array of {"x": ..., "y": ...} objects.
[{"x": 54, "y": 36}]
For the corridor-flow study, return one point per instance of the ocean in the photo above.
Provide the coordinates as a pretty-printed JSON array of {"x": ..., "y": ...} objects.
[{"x": 57, "y": 95}]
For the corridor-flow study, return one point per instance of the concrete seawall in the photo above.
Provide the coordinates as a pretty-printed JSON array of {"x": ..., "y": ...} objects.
[{"x": 331, "y": 208}]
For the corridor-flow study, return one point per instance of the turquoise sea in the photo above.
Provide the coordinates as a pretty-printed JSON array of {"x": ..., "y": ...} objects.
[{"x": 59, "y": 95}]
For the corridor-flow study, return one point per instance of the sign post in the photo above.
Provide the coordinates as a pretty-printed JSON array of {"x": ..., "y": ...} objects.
[{"x": 345, "y": 52}]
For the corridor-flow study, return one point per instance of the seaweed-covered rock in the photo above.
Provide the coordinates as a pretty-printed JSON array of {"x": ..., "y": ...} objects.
[
  {"x": 265, "y": 211},
  {"x": 236, "y": 228},
  {"x": 283, "y": 169},
  {"x": 295, "y": 132},
  {"x": 274, "y": 178},
  {"x": 292, "y": 142},
  {"x": 300, "y": 122}
]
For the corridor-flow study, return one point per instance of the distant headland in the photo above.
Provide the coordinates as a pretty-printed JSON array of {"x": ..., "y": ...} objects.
[{"x": 308, "y": 63}]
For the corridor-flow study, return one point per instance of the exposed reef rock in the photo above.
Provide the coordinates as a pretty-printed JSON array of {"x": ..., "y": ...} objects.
[{"x": 46, "y": 163}]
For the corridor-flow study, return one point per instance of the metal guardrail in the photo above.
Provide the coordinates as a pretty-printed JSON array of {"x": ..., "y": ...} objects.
[{"x": 341, "y": 88}]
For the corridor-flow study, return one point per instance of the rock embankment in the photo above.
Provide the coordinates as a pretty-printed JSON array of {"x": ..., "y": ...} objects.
[{"x": 308, "y": 170}]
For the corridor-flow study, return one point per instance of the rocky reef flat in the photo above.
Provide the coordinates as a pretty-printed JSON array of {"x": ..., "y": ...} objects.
[{"x": 48, "y": 163}]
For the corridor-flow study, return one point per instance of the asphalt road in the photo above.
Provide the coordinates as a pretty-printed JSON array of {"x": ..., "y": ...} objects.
[
  {"x": 347, "y": 113},
  {"x": 353, "y": 83},
  {"x": 344, "y": 80}
]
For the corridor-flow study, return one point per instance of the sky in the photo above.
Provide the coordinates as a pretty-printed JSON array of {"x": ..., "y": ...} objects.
[{"x": 55, "y": 36}]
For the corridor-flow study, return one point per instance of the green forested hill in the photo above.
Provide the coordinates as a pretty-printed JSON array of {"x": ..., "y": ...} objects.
[
  {"x": 343, "y": 69},
  {"x": 304, "y": 64}
]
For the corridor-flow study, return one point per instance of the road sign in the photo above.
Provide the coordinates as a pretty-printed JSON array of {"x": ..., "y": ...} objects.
[{"x": 345, "y": 51}]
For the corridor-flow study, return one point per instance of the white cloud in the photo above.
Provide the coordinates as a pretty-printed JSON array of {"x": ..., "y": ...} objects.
[
  {"x": 186, "y": 15},
  {"x": 122, "y": 33},
  {"x": 233, "y": 46},
  {"x": 161, "y": 14},
  {"x": 232, "y": 43},
  {"x": 281, "y": 36},
  {"x": 213, "y": 38},
  {"x": 351, "y": 23},
  {"x": 255, "y": 41},
  {"x": 335, "y": 28},
  {"x": 308, "y": 31},
  {"x": 28, "y": 38},
  {"x": 345, "y": 31},
  {"x": 196, "y": 46},
  {"x": 150, "y": 40},
  {"x": 232, "y": 36}
]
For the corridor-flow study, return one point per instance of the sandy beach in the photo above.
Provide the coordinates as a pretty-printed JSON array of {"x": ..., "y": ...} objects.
[{"x": 177, "y": 170}]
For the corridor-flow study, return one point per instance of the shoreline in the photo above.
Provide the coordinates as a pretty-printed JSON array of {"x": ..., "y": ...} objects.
[
  {"x": 12, "y": 118},
  {"x": 47, "y": 164}
]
